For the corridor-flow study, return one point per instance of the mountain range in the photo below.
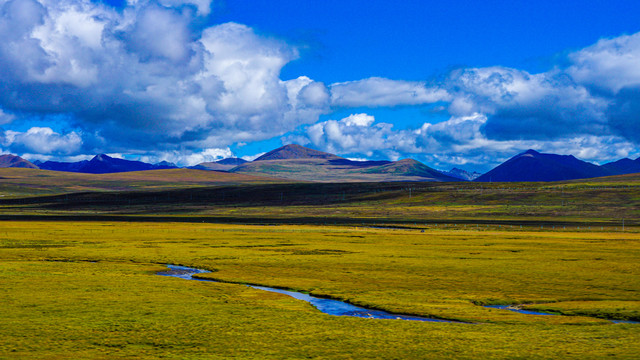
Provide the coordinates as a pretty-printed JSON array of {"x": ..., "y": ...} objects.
[
  {"x": 300, "y": 163},
  {"x": 102, "y": 164},
  {"x": 534, "y": 166},
  {"x": 297, "y": 162},
  {"x": 462, "y": 174}
]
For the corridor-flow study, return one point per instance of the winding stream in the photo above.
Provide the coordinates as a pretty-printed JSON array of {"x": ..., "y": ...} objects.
[
  {"x": 340, "y": 308},
  {"x": 327, "y": 306}
]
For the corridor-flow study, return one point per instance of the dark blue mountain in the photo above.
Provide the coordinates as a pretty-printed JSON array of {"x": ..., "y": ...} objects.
[
  {"x": 462, "y": 174},
  {"x": 231, "y": 161},
  {"x": 164, "y": 165},
  {"x": 534, "y": 166},
  {"x": 103, "y": 164},
  {"x": 62, "y": 166},
  {"x": 623, "y": 166}
]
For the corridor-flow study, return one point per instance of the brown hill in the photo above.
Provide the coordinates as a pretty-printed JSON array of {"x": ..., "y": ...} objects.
[
  {"x": 13, "y": 161},
  {"x": 411, "y": 168},
  {"x": 20, "y": 182},
  {"x": 294, "y": 151},
  {"x": 296, "y": 162}
]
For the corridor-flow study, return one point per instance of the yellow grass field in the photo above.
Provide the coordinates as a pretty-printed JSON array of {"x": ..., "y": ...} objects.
[{"x": 88, "y": 290}]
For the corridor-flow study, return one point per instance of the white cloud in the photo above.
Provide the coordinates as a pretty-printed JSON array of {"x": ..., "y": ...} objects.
[
  {"x": 356, "y": 133},
  {"x": 42, "y": 140},
  {"x": 150, "y": 78},
  {"x": 523, "y": 105},
  {"x": 252, "y": 157},
  {"x": 457, "y": 141},
  {"x": 203, "y": 6},
  {"x": 610, "y": 64},
  {"x": 188, "y": 158},
  {"x": 147, "y": 77},
  {"x": 6, "y": 118},
  {"x": 358, "y": 120},
  {"x": 160, "y": 33},
  {"x": 377, "y": 91},
  {"x": 46, "y": 157}
]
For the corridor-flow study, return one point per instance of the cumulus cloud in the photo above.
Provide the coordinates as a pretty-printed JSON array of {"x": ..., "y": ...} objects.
[
  {"x": 589, "y": 107},
  {"x": 41, "y": 140},
  {"x": 610, "y": 64},
  {"x": 377, "y": 91},
  {"x": 147, "y": 77},
  {"x": 6, "y": 118},
  {"x": 188, "y": 158},
  {"x": 203, "y": 6},
  {"x": 522, "y": 105},
  {"x": 458, "y": 141},
  {"x": 356, "y": 133},
  {"x": 152, "y": 78}
]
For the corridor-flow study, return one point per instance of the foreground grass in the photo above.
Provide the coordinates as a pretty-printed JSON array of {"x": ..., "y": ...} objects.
[{"x": 59, "y": 303}]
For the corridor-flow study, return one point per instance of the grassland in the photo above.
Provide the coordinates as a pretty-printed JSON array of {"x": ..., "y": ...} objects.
[
  {"x": 18, "y": 182},
  {"x": 88, "y": 290},
  {"x": 602, "y": 203},
  {"x": 73, "y": 287}
]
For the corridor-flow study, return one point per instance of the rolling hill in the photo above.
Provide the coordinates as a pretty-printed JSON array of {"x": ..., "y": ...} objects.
[
  {"x": 295, "y": 151},
  {"x": 220, "y": 165},
  {"x": 297, "y": 162},
  {"x": 27, "y": 182},
  {"x": 13, "y": 161}
]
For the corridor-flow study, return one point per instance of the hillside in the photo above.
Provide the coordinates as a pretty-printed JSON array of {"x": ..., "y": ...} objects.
[
  {"x": 294, "y": 151},
  {"x": 336, "y": 169},
  {"x": 13, "y": 161},
  {"x": 26, "y": 182},
  {"x": 411, "y": 168},
  {"x": 623, "y": 166},
  {"x": 220, "y": 165}
]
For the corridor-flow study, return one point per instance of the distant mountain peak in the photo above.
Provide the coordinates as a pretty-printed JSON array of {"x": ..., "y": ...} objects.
[
  {"x": 103, "y": 164},
  {"x": 231, "y": 161},
  {"x": 534, "y": 166},
  {"x": 623, "y": 166},
  {"x": 295, "y": 151},
  {"x": 408, "y": 161},
  {"x": 10, "y": 160},
  {"x": 165, "y": 163},
  {"x": 462, "y": 174},
  {"x": 103, "y": 158}
]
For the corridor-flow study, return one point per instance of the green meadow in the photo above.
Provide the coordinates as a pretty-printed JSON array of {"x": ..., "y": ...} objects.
[
  {"x": 79, "y": 255},
  {"x": 82, "y": 289}
]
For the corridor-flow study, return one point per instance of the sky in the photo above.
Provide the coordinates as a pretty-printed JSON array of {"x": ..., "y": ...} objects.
[{"x": 449, "y": 83}]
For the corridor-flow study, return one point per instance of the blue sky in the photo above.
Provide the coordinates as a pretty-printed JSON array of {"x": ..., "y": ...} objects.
[{"x": 456, "y": 83}]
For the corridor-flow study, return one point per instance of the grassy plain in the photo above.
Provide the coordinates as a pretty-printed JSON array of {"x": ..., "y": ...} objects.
[
  {"x": 88, "y": 290},
  {"x": 73, "y": 287},
  {"x": 224, "y": 197},
  {"x": 19, "y": 182}
]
